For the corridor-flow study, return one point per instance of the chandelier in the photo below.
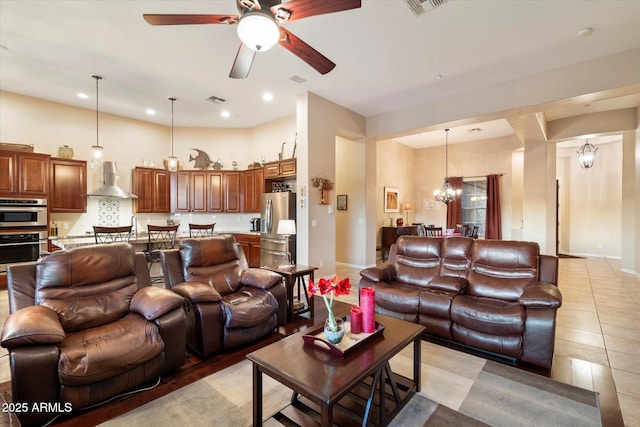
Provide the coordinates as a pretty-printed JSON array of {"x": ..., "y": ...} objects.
[
  {"x": 172, "y": 161},
  {"x": 446, "y": 194},
  {"x": 587, "y": 155}
]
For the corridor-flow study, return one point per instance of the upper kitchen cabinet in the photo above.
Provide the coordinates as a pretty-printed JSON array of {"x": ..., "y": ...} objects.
[
  {"x": 280, "y": 169},
  {"x": 189, "y": 191},
  {"x": 24, "y": 174},
  {"x": 152, "y": 186},
  {"x": 68, "y": 184},
  {"x": 223, "y": 191},
  {"x": 252, "y": 189}
]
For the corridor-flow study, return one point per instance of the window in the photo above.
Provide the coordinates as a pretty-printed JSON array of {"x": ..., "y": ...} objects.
[{"x": 474, "y": 203}]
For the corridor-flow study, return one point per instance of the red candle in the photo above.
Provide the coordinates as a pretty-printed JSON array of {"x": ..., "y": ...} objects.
[
  {"x": 368, "y": 307},
  {"x": 356, "y": 320}
]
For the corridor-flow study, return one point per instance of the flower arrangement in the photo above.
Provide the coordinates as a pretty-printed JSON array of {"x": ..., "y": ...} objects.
[
  {"x": 333, "y": 287},
  {"x": 321, "y": 183}
]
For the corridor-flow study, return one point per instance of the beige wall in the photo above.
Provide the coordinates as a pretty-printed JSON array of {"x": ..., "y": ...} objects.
[
  {"x": 350, "y": 223},
  {"x": 395, "y": 169}
]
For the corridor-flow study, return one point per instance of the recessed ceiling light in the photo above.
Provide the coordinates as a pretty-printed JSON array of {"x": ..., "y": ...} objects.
[
  {"x": 225, "y": 113},
  {"x": 151, "y": 111},
  {"x": 82, "y": 95},
  {"x": 267, "y": 96},
  {"x": 439, "y": 76},
  {"x": 584, "y": 32}
]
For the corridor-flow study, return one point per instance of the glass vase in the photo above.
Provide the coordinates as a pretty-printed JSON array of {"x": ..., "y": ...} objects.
[{"x": 334, "y": 335}]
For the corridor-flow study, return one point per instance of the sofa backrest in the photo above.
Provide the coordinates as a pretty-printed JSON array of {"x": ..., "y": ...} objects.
[
  {"x": 87, "y": 286},
  {"x": 502, "y": 268},
  {"x": 456, "y": 257},
  {"x": 217, "y": 261},
  {"x": 417, "y": 259}
]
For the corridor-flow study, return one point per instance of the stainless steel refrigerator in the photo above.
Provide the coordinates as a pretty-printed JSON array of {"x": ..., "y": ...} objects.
[{"x": 273, "y": 208}]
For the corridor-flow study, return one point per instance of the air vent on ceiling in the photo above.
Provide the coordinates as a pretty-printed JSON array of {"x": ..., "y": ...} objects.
[
  {"x": 216, "y": 100},
  {"x": 418, "y": 7},
  {"x": 297, "y": 79}
]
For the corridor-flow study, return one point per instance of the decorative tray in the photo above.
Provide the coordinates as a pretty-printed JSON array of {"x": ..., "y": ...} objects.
[{"x": 317, "y": 339}]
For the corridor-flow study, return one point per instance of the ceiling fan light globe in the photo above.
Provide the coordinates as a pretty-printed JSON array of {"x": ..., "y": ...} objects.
[{"x": 258, "y": 31}]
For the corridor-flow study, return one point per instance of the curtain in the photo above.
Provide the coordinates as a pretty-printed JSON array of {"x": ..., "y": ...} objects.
[
  {"x": 454, "y": 209},
  {"x": 493, "y": 229}
]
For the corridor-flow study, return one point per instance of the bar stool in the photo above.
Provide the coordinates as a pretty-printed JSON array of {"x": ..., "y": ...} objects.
[
  {"x": 201, "y": 230},
  {"x": 161, "y": 237},
  {"x": 112, "y": 234}
]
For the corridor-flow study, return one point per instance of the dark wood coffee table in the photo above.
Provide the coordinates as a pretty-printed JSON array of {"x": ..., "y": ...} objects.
[{"x": 361, "y": 383}]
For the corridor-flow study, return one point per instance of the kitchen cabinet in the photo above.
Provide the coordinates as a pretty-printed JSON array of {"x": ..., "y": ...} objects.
[
  {"x": 189, "y": 191},
  {"x": 232, "y": 188},
  {"x": 68, "y": 185},
  {"x": 152, "y": 186},
  {"x": 280, "y": 169},
  {"x": 223, "y": 194},
  {"x": 24, "y": 174},
  {"x": 252, "y": 189},
  {"x": 250, "y": 244}
]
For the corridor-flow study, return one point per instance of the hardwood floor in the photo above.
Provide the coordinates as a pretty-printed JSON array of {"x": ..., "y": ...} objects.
[{"x": 597, "y": 344}]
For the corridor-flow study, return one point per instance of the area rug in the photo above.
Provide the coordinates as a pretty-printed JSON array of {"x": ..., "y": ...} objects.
[{"x": 458, "y": 389}]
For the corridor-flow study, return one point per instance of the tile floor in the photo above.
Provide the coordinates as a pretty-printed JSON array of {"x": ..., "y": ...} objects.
[{"x": 598, "y": 323}]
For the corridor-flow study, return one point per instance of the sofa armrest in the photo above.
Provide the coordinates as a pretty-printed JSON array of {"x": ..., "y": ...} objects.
[
  {"x": 34, "y": 325},
  {"x": 152, "y": 302},
  {"x": 457, "y": 285},
  {"x": 260, "y": 278},
  {"x": 379, "y": 274},
  {"x": 196, "y": 292},
  {"x": 541, "y": 295},
  {"x": 548, "y": 269}
]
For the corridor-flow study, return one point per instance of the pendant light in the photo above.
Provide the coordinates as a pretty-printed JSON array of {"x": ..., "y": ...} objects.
[
  {"x": 172, "y": 161},
  {"x": 446, "y": 194},
  {"x": 97, "y": 149},
  {"x": 587, "y": 155}
]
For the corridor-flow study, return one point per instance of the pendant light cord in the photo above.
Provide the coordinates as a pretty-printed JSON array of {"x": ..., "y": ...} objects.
[{"x": 172, "y": 101}]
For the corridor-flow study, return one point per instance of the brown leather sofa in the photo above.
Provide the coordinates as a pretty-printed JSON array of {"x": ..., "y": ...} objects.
[
  {"x": 228, "y": 303},
  {"x": 85, "y": 326},
  {"x": 496, "y": 296}
]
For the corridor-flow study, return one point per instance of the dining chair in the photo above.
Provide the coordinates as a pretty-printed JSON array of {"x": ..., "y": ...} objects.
[
  {"x": 161, "y": 237},
  {"x": 112, "y": 234},
  {"x": 474, "y": 232},
  {"x": 433, "y": 231},
  {"x": 201, "y": 230},
  {"x": 421, "y": 228}
]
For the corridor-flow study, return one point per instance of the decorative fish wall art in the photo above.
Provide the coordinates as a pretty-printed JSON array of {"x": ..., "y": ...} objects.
[{"x": 202, "y": 160}]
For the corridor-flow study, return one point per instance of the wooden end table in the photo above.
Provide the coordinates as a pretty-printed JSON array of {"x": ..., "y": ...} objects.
[
  {"x": 330, "y": 382},
  {"x": 295, "y": 274}
]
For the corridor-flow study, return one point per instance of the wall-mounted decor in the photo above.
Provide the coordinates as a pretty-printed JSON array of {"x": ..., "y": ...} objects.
[
  {"x": 341, "y": 204},
  {"x": 324, "y": 185},
  {"x": 391, "y": 199}
]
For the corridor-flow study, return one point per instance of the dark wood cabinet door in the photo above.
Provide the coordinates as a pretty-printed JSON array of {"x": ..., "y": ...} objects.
[
  {"x": 198, "y": 192},
  {"x": 258, "y": 189},
  {"x": 34, "y": 174},
  {"x": 252, "y": 189},
  {"x": 161, "y": 192},
  {"x": 142, "y": 184},
  {"x": 8, "y": 173},
  {"x": 232, "y": 191},
  {"x": 180, "y": 192},
  {"x": 215, "y": 191},
  {"x": 288, "y": 167},
  {"x": 68, "y": 185}
]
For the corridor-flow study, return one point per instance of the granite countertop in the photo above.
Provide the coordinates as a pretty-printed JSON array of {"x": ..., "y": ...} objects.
[{"x": 78, "y": 240}]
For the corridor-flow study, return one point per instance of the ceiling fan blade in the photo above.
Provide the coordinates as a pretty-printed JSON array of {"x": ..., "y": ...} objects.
[
  {"x": 298, "y": 9},
  {"x": 242, "y": 63},
  {"x": 159, "y": 19},
  {"x": 305, "y": 52}
]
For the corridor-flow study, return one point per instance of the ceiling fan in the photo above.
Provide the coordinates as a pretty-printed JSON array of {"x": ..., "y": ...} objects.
[{"x": 259, "y": 28}]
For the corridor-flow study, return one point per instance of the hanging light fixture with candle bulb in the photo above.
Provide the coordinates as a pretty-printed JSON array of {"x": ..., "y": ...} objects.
[
  {"x": 97, "y": 149},
  {"x": 446, "y": 194},
  {"x": 172, "y": 161},
  {"x": 587, "y": 155}
]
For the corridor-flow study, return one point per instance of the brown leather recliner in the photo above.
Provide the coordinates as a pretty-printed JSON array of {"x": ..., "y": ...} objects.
[
  {"x": 85, "y": 326},
  {"x": 228, "y": 303}
]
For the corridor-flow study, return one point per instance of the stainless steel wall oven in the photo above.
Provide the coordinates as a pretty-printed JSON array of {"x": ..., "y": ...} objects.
[
  {"x": 23, "y": 230},
  {"x": 23, "y": 213},
  {"x": 21, "y": 247}
]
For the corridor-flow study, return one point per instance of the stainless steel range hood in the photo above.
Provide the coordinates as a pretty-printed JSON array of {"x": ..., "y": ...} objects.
[{"x": 109, "y": 187}]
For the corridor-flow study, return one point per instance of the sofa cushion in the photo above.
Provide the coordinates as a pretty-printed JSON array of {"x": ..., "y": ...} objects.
[
  {"x": 95, "y": 354},
  {"x": 248, "y": 307},
  {"x": 214, "y": 261},
  {"x": 502, "y": 269},
  {"x": 398, "y": 297},
  {"x": 87, "y": 286},
  {"x": 456, "y": 257},
  {"x": 417, "y": 260},
  {"x": 488, "y": 315}
]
